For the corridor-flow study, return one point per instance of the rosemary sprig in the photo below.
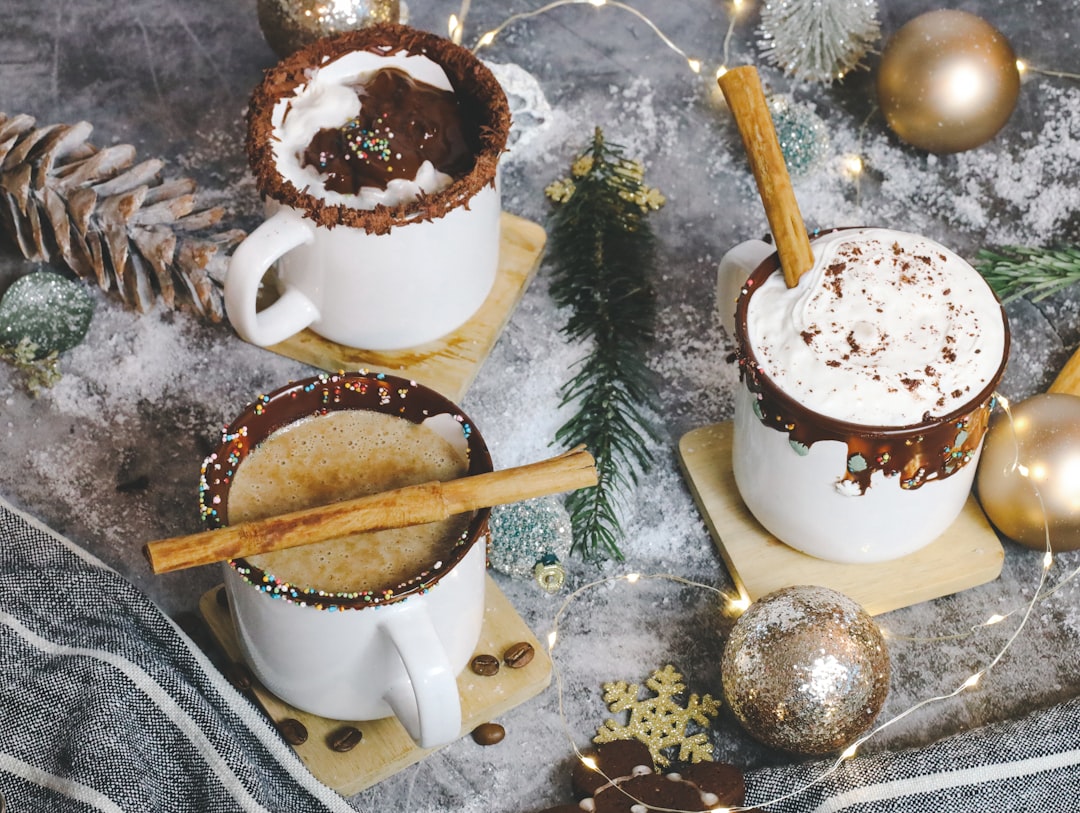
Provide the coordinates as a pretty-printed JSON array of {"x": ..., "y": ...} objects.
[
  {"x": 603, "y": 251},
  {"x": 1016, "y": 271}
]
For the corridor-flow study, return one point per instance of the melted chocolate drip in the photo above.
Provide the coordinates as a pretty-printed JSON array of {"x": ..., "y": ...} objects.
[
  {"x": 931, "y": 450},
  {"x": 401, "y": 124}
]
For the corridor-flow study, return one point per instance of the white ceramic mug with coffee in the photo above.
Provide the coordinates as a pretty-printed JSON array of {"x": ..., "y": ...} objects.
[
  {"x": 865, "y": 390},
  {"x": 345, "y": 649},
  {"x": 385, "y": 266}
]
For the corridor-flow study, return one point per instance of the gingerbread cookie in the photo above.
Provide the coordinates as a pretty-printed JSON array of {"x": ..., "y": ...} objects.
[{"x": 624, "y": 779}]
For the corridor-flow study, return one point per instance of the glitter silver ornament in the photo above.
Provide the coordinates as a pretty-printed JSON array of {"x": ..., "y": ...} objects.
[
  {"x": 289, "y": 25},
  {"x": 805, "y": 670},
  {"x": 529, "y": 539}
]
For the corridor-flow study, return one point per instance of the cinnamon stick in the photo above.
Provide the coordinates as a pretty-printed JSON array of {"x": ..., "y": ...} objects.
[
  {"x": 742, "y": 89},
  {"x": 1068, "y": 380},
  {"x": 412, "y": 505}
]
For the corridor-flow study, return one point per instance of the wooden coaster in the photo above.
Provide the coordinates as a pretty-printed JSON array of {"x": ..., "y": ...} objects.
[
  {"x": 968, "y": 554},
  {"x": 448, "y": 364},
  {"x": 386, "y": 748}
]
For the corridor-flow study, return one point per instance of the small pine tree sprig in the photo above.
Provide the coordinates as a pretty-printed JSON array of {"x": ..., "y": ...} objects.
[
  {"x": 1016, "y": 271},
  {"x": 603, "y": 251}
]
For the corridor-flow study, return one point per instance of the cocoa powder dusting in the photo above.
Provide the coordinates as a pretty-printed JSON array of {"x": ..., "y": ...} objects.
[{"x": 833, "y": 280}]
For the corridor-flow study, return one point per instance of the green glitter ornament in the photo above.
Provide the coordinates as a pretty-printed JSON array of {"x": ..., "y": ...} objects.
[
  {"x": 530, "y": 539},
  {"x": 803, "y": 137},
  {"x": 46, "y": 311}
]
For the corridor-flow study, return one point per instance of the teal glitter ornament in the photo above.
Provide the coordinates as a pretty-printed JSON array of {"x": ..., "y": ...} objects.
[
  {"x": 48, "y": 311},
  {"x": 530, "y": 539},
  {"x": 803, "y": 137}
]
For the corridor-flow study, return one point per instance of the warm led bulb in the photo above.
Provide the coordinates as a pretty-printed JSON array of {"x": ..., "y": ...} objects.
[{"x": 853, "y": 164}]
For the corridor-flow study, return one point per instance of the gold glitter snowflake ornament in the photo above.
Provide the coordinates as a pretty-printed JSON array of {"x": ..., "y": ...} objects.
[{"x": 660, "y": 722}]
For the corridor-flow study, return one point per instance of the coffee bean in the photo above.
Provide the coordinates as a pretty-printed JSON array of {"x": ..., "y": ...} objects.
[
  {"x": 488, "y": 733},
  {"x": 294, "y": 732},
  {"x": 519, "y": 655},
  {"x": 344, "y": 739},
  {"x": 486, "y": 665},
  {"x": 238, "y": 675}
]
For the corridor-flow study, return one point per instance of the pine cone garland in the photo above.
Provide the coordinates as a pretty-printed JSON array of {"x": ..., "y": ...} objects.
[{"x": 108, "y": 218}]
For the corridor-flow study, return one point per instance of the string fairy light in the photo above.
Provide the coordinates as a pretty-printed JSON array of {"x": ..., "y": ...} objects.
[
  {"x": 1023, "y": 68},
  {"x": 457, "y": 24},
  {"x": 737, "y": 604},
  {"x": 736, "y": 7}
]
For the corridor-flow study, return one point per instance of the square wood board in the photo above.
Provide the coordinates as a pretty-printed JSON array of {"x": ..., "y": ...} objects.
[
  {"x": 448, "y": 364},
  {"x": 386, "y": 748},
  {"x": 968, "y": 554}
]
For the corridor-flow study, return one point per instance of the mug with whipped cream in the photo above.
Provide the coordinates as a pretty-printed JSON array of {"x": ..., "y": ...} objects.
[
  {"x": 377, "y": 152},
  {"x": 866, "y": 390}
]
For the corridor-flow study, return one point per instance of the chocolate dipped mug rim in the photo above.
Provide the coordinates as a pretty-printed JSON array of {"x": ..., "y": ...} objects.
[
  {"x": 472, "y": 81},
  {"x": 783, "y": 412},
  {"x": 320, "y": 395}
]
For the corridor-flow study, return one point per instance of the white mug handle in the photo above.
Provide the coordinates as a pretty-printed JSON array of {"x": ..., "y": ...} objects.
[
  {"x": 734, "y": 268},
  {"x": 293, "y": 311},
  {"x": 429, "y": 708}
]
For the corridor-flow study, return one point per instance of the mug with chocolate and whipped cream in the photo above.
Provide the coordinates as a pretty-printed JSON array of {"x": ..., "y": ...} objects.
[
  {"x": 866, "y": 391},
  {"x": 377, "y": 153}
]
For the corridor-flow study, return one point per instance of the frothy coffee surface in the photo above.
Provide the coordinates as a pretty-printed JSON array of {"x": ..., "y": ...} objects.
[
  {"x": 338, "y": 456},
  {"x": 886, "y": 329},
  {"x": 401, "y": 124},
  {"x": 331, "y": 98}
]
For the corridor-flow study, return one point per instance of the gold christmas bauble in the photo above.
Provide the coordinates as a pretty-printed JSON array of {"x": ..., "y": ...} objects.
[
  {"x": 805, "y": 669},
  {"x": 289, "y": 25},
  {"x": 1028, "y": 478},
  {"x": 947, "y": 82}
]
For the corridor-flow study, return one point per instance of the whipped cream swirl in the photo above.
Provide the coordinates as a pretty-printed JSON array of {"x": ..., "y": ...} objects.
[{"x": 887, "y": 329}]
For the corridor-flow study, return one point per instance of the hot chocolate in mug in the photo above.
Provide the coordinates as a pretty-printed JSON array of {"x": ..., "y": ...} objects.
[
  {"x": 377, "y": 152},
  {"x": 865, "y": 390},
  {"x": 368, "y": 626}
]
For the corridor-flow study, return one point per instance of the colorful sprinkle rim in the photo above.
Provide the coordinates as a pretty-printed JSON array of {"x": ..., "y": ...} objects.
[{"x": 319, "y": 395}]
